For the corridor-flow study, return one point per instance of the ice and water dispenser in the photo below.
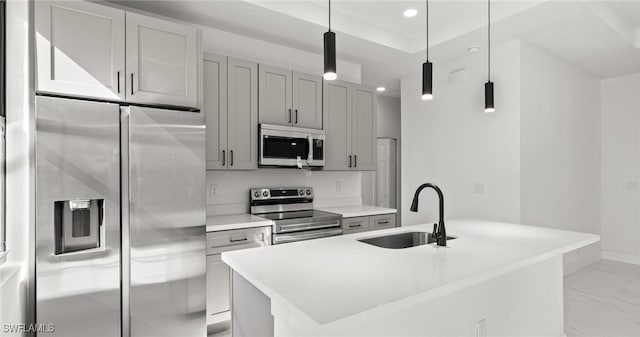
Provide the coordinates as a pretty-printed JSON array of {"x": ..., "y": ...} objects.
[{"x": 78, "y": 225}]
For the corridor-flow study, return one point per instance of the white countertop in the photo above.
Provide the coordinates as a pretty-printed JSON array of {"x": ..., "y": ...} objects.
[
  {"x": 329, "y": 279},
  {"x": 235, "y": 221},
  {"x": 358, "y": 210}
]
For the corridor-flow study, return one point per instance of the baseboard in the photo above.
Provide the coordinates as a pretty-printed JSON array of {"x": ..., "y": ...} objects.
[{"x": 619, "y": 257}]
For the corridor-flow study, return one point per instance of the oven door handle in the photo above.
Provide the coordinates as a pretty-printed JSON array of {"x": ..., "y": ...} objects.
[
  {"x": 307, "y": 225},
  {"x": 279, "y": 238}
]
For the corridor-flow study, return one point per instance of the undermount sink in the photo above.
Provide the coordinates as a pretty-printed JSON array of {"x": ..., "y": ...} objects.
[{"x": 402, "y": 240}]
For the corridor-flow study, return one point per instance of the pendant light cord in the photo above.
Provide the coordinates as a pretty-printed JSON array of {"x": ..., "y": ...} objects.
[
  {"x": 489, "y": 38},
  {"x": 329, "y": 15},
  {"x": 427, "y": 24}
]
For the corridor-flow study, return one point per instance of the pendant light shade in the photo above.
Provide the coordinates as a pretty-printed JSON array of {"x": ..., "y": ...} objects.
[
  {"x": 330, "y": 56},
  {"x": 488, "y": 97},
  {"x": 330, "y": 68},
  {"x": 488, "y": 87},
  {"x": 427, "y": 67},
  {"x": 427, "y": 81}
]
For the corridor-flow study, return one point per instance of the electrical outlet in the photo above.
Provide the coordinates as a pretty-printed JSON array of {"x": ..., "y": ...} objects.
[
  {"x": 632, "y": 186},
  {"x": 482, "y": 328},
  {"x": 213, "y": 190},
  {"x": 338, "y": 186},
  {"x": 478, "y": 188}
]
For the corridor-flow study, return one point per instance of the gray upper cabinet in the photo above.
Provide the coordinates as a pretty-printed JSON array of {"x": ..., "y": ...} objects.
[
  {"x": 307, "y": 101},
  {"x": 275, "y": 95},
  {"x": 230, "y": 104},
  {"x": 80, "y": 49},
  {"x": 85, "y": 49},
  {"x": 162, "y": 58},
  {"x": 337, "y": 125},
  {"x": 289, "y": 98},
  {"x": 242, "y": 116},
  {"x": 214, "y": 106},
  {"x": 350, "y": 126},
  {"x": 364, "y": 128}
]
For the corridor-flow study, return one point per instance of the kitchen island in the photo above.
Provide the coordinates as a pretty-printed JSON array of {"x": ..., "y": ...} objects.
[{"x": 493, "y": 279}]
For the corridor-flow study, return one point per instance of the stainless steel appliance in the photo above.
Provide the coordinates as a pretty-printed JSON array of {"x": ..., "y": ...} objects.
[
  {"x": 3, "y": 233},
  {"x": 291, "y": 146},
  {"x": 219, "y": 274},
  {"x": 291, "y": 210},
  {"x": 120, "y": 219}
]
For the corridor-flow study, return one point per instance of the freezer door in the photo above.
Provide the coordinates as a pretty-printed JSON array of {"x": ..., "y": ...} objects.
[
  {"x": 167, "y": 219},
  {"x": 78, "y": 217}
]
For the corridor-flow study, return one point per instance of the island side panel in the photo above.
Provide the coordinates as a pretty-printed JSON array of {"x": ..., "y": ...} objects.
[
  {"x": 524, "y": 302},
  {"x": 250, "y": 310}
]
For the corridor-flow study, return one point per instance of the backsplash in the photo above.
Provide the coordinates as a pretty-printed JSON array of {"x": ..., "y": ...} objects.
[{"x": 228, "y": 191}]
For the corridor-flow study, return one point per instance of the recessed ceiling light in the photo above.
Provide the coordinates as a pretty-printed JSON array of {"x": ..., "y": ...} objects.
[
  {"x": 473, "y": 49},
  {"x": 381, "y": 89},
  {"x": 409, "y": 13}
]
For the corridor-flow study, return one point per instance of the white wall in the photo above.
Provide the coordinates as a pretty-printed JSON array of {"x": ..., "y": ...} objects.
[
  {"x": 621, "y": 168},
  {"x": 451, "y": 142},
  {"x": 228, "y": 191},
  {"x": 560, "y": 144}
]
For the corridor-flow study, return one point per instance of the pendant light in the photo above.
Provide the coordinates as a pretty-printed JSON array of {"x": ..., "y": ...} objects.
[
  {"x": 330, "y": 52},
  {"x": 488, "y": 87},
  {"x": 427, "y": 67}
]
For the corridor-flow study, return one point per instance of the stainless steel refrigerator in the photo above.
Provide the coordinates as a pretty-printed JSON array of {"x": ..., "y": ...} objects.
[{"x": 120, "y": 220}]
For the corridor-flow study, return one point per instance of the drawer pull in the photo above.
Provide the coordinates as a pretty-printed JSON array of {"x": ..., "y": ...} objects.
[
  {"x": 238, "y": 240},
  {"x": 383, "y": 222},
  {"x": 354, "y": 226}
]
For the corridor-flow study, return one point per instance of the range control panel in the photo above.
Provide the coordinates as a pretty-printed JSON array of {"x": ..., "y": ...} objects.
[{"x": 281, "y": 193}]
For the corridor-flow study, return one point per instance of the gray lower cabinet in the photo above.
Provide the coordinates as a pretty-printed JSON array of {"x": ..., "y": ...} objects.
[
  {"x": 230, "y": 103},
  {"x": 368, "y": 223},
  {"x": 349, "y": 113},
  {"x": 289, "y": 98},
  {"x": 219, "y": 274}
]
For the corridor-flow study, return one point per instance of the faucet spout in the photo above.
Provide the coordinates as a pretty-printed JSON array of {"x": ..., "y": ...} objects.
[{"x": 439, "y": 233}]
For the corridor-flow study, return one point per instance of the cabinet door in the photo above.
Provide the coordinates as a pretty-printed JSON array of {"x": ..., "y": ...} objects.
[
  {"x": 382, "y": 221},
  {"x": 275, "y": 95},
  {"x": 307, "y": 101},
  {"x": 364, "y": 129},
  {"x": 242, "y": 120},
  {"x": 355, "y": 225},
  {"x": 337, "y": 125},
  {"x": 161, "y": 61},
  {"x": 80, "y": 49},
  {"x": 214, "y": 106},
  {"x": 218, "y": 287}
]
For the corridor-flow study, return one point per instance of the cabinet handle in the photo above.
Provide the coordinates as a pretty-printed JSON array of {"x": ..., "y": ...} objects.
[
  {"x": 296, "y": 116},
  {"x": 355, "y": 160},
  {"x": 224, "y": 156},
  {"x": 231, "y": 159},
  {"x": 350, "y": 160},
  {"x": 289, "y": 115},
  {"x": 131, "y": 83},
  {"x": 354, "y": 226},
  {"x": 383, "y": 222},
  {"x": 118, "y": 82}
]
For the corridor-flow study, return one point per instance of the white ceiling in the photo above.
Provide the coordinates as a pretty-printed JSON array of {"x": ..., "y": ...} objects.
[{"x": 602, "y": 37}]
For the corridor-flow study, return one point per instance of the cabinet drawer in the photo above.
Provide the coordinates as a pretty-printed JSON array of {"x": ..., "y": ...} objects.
[
  {"x": 355, "y": 225},
  {"x": 218, "y": 242},
  {"x": 382, "y": 221}
]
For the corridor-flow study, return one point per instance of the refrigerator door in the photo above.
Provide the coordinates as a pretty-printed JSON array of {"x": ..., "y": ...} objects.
[
  {"x": 78, "y": 217},
  {"x": 166, "y": 224}
]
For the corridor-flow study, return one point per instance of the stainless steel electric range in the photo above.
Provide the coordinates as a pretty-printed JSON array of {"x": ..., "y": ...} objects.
[{"x": 291, "y": 210}]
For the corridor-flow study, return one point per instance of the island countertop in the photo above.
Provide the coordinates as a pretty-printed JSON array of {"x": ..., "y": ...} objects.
[{"x": 326, "y": 280}]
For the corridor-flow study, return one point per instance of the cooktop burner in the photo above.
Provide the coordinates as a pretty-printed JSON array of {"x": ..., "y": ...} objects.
[{"x": 306, "y": 214}]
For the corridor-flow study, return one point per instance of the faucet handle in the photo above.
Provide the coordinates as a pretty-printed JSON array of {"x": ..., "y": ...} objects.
[{"x": 435, "y": 229}]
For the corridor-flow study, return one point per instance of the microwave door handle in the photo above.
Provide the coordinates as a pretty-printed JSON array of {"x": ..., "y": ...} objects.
[{"x": 310, "y": 156}]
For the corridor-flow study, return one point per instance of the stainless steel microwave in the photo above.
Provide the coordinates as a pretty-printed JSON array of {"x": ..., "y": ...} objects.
[{"x": 288, "y": 146}]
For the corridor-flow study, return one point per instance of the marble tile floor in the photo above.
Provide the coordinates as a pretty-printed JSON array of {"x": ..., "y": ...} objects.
[{"x": 603, "y": 300}]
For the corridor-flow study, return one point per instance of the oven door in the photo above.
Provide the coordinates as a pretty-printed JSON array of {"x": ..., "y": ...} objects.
[
  {"x": 306, "y": 235},
  {"x": 288, "y": 146}
]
